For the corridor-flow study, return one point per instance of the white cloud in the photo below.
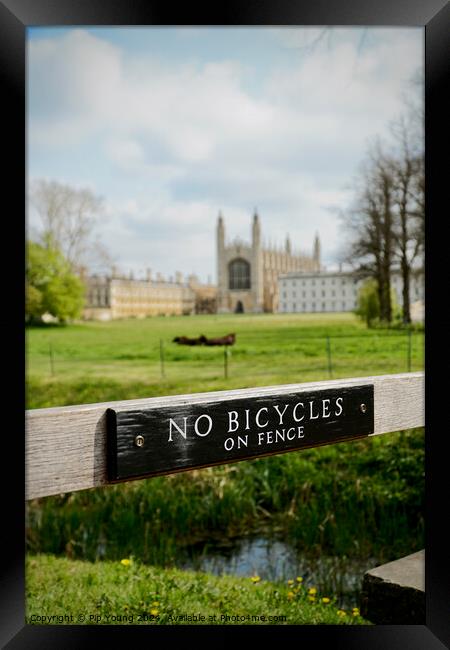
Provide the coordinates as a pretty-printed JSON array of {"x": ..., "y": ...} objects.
[{"x": 180, "y": 140}]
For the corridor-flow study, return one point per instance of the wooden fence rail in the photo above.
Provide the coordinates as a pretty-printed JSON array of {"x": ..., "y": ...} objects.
[{"x": 78, "y": 447}]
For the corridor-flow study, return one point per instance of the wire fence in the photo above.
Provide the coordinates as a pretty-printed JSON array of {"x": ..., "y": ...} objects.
[{"x": 401, "y": 351}]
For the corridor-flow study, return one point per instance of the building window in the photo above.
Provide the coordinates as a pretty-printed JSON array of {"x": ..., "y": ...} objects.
[
  {"x": 239, "y": 273},
  {"x": 294, "y": 295},
  {"x": 323, "y": 306},
  {"x": 343, "y": 305},
  {"x": 313, "y": 282},
  {"x": 314, "y": 306},
  {"x": 304, "y": 306},
  {"x": 323, "y": 294},
  {"x": 313, "y": 293},
  {"x": 294, "y": 306}
]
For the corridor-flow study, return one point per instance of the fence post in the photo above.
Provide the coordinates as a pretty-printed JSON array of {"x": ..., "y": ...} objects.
[
  {"x": 225, "y": 361},
  {"x": 161, "y": 357},
  {"x": 409, "y": 349},
  {"x": 52, "y": 367},
  {"x": 330, "y": 369}
]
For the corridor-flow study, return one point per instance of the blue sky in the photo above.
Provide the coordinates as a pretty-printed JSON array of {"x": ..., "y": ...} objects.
[{"x": 171, "y": 125}]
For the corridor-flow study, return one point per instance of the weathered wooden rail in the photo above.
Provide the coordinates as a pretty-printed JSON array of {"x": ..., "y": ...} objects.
[{"x": 78, "y": 447}]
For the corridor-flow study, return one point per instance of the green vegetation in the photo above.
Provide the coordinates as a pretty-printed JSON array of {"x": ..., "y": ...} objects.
[
  {"x": 361, "y": 498},
  {"x": 368, "y": 308},
  {"x": 357, "y": 500},
  {"x": 129, "y": 593},
  {"x": 368, "y": 305},
  {"x": 51, "y": 286},
  {"x": 94, "y": 362}
]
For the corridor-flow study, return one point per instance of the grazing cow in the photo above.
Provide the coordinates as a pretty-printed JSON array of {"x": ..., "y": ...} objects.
[
  {"x": 229, "y": 339},
  {"x": 185, "y": 340}
]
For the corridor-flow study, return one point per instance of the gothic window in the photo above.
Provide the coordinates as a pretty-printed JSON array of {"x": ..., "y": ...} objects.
[{"x": 239, "y": 274}]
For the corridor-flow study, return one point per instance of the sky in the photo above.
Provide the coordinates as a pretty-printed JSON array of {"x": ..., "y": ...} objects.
[{"x": 172, "y": 125}]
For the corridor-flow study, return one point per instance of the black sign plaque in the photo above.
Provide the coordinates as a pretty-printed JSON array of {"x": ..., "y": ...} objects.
[{"x": 162, "y": 440}]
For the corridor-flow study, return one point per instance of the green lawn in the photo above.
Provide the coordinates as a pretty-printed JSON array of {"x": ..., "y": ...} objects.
[
  {"x": 353, "y": 499},
  {"x": 126, "y": 592},
  {"x": 121, "y": 359}
]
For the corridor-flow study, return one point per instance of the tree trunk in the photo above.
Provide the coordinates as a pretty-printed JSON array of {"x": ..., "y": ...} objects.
[{"x": 405, "y": 292}]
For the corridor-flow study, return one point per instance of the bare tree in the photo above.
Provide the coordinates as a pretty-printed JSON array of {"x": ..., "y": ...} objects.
[
  {"x": 369, "y": 222},
  {"x": 409, "y": 206},
  {"x": 68, "y": 219}
]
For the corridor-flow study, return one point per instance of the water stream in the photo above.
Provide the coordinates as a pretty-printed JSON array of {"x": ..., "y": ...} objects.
[{"x": 276, "y": 560}]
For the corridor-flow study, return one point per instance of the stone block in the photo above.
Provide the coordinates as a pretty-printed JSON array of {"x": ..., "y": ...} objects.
[{"x": 394, "y": 593}]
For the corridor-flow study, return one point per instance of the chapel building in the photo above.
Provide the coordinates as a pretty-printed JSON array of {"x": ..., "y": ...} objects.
[{"x": 247, "y": 273}]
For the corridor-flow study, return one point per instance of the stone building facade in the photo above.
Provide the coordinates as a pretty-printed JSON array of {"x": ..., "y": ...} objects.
[
  {"x": 333, "y": 291},
  {"x": 247, "y": 273},
  {"x": 111, "y": 297}
]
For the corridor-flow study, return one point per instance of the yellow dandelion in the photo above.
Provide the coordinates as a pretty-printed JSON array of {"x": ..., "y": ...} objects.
[
  {"x": 290, "y": 582},
  {"x": 341, "y": 612},
  {"x": 290, "y": 595},
  {"x": 154, "y": 612},
  {"x": 255, "y": 578},
  {"x": 312, "y": 591},
  {"x": 355, "y": 611},
  {"x": 325, "y": 600},
  {"x": 299, "y": 579},
  {"x": 155, "y": 604},
  {"x": 125, "y": 562},
  {"x": 312, "y": 599}
]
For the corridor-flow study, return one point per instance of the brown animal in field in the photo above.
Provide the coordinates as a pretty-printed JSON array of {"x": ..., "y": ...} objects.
[
  {"x": 185, "y": 340},
  {"x": 229, "y": 339}
]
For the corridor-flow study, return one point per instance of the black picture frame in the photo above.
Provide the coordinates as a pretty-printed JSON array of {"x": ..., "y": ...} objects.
[{"x": 16, "y": 16}]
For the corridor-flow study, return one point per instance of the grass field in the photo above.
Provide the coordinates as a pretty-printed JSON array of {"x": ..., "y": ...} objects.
[
  {"x": 357, "y": 499},
  {"x": 129, "y": 593},
  {"x": 92, "y": 362}
]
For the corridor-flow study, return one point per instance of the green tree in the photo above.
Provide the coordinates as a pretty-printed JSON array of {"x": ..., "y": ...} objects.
[
  {"x": 368, "y": 303},
  {"x": 51, "y": 286}
]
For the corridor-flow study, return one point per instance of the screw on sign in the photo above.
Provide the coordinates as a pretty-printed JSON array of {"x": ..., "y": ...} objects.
[{"x": 139, "y": 441}]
